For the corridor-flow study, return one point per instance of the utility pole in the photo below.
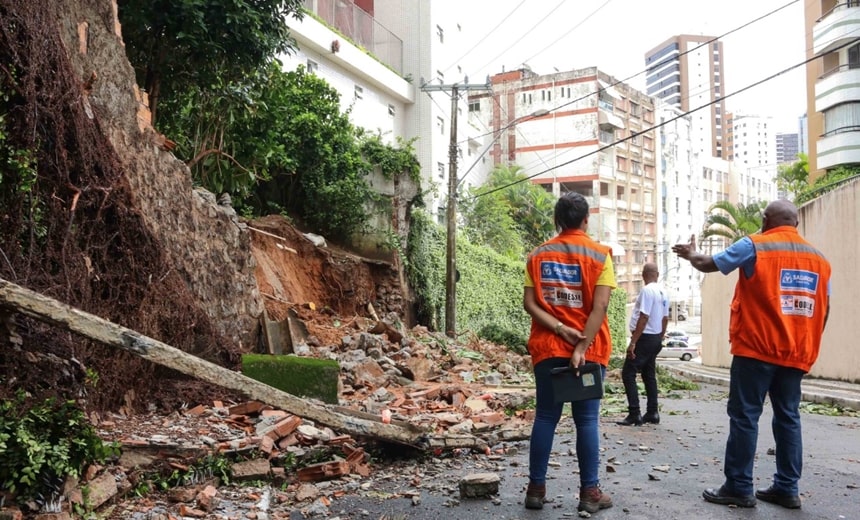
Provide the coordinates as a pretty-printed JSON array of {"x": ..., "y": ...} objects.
[
  {"x": 451, "y": 206},
  {"x": 451, "y": 215}
]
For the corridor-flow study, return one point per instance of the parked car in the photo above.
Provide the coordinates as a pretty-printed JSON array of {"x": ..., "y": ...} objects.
[
  {"x": 678, "y": 349},
  {"x": 677, "y": 334}
]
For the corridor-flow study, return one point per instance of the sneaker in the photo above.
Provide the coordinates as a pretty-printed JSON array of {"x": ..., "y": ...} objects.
[
  {"x": 723, "y": 497},
  {"x": 651, "y": 417},
  {"x": 593, "y": 500},
  {"x": 775, "y": 497},
  {"x": 632, "y": 419},
  {"x": 535, "y": 496}
]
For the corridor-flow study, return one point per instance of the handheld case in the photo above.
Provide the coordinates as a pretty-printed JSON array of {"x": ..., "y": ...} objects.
[{"x": 568, "y": 387}]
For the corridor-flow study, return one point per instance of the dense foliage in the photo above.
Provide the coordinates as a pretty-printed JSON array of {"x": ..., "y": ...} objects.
[
  {"x": 42, "y": 443},
  {"x": 793, "y": 179},
  {"x": 179, "y": 45},
  {"x": 508, "y": 213},
  {"x": 490, "y": 290},
  {"x": 278, "y": 142},
  {"x": 733, "y": 221}
]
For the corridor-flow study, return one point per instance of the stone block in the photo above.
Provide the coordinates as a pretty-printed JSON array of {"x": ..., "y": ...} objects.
[
  {"x": 101, "y": 489},
  {"x": 255, "y": 469},
  {"x": 479, "y": 485},
  {"x": 303, "y": 377}
]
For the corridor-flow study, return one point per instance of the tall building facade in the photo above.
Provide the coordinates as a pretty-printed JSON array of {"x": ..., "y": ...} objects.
[
  {"x": 786, "y": 148},
  {"x": 583, "y": 131},
  {"x": 755, "y": 158},
  {"x": 381, "y": 55},
  {"x": 832, "y": 84},
  {"x": 687, "y": 71}
]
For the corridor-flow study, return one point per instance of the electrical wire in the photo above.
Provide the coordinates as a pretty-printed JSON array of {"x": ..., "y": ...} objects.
[
  {"x": 592, "y": 13},
  {"x": 664, "y": 62},
  {"x": 491, "y": 31},
  {"x": 654, "y": 127}
]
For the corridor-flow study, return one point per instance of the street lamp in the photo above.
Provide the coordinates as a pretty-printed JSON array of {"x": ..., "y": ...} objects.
[{"x": 451, "y": 213}]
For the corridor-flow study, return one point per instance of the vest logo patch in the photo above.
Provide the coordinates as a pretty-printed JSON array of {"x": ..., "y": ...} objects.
[
  {"x": 798, "y": 280},
  {"x": 562, "y": 297},
  {"x": 568, "y": 274},
  {"x": 797, "y": 305}
]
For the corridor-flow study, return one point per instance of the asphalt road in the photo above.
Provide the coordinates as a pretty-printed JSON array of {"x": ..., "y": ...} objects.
[{"x": 659, "y": 472}]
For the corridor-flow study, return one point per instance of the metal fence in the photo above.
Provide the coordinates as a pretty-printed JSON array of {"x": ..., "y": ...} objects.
[{"x": 360, "y": 27}]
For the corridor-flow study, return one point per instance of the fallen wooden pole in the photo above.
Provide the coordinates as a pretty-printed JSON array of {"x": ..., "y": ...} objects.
[{"x": 57, "y": 313}]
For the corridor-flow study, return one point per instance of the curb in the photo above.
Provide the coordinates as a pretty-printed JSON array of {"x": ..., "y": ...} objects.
[{"x": 824, "y": 392}]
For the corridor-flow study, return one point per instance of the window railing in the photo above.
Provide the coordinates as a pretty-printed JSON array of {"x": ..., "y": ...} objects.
[
  {"x": 844, "y": 5},
  {"x": 360, "y": 27},
  {"x": 838, "y": 69}
]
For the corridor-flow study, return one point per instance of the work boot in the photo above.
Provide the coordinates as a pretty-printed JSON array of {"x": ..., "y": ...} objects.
[
  {"x": 772, "y": 495},
  {"x": 592, "y": 499},
  {"x": 632, "y": 419},
  {"x": 651, "y": 417},
  {"x": 535, "y": 495}
]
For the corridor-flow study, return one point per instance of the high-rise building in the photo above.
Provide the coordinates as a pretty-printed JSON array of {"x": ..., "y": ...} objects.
[
  {"x": 832, "y": 84},
  {"x": 755, "y": 158},
  {"x": 560, "y": 128},
  {"x": 686, "y": 71},
  {"x": 786, "y": 148},
  {"x": 803, "y": 134}
]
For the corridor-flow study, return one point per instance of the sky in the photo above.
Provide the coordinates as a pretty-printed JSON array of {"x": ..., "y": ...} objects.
[{"x": 614, "y": 36}]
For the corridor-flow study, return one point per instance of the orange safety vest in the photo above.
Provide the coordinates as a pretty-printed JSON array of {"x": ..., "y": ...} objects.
[
  {"x": 565, "y": 270},
  {"x": 778, "y": 313}
]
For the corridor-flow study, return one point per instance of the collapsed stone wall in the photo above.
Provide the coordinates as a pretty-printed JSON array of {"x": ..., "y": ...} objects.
[{"x": 204, "y": 242}]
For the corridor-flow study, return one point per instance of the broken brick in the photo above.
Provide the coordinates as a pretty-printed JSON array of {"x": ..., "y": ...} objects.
[
  {"x": 324, "y": 471},
  {"x": 247, "y": 408}
]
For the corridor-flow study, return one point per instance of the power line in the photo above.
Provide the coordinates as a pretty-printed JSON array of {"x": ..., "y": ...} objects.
[
  {"x": 636, "y": 134},
  {"x": 604, "y": 4},
  {"x": 554, "y": 9},
  {"x": 473, "y": 47},
  {"x": 667, "y": 60}
]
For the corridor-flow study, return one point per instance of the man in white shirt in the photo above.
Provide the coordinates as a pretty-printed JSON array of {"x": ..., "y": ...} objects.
[{"x": 647, "y": 327}]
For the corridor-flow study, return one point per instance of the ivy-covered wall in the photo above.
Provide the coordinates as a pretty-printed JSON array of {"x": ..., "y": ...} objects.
[{"x": 490, "y": 290}]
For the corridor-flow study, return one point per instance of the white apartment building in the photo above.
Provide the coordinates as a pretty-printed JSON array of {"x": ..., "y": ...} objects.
[
  {"x": 833, "y": 84},
  {"x": 391, "y": 49},
  {"x": 755, "y": 158},
  {"x": 682, "y": 208}
]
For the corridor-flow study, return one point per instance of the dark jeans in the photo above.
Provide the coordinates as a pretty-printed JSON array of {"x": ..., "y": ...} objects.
[
  {"x": 750, "y": 381},
  {"x": 646, "y": 350},
  {"x": 548, "y": 413}
]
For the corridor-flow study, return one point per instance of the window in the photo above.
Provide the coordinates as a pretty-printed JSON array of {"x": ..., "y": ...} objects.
[
  {"x": 635, "y": 110},
  {"x": 391, "y": 110},
  {"x": 441, "y": 170},
  {"x": 441, "y": 124},
  {"x": 312, "y": 66},
  {"x": 854, "y": 56},
  {"x": 604, "y": 189},
  {"x": 474, "y": 106},
  {"x": 440, "y": 33},
  {"x": 359, "y": 92}
]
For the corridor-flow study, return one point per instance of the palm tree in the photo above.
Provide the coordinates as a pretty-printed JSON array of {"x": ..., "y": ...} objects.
[{"x": 733, "y": 221}]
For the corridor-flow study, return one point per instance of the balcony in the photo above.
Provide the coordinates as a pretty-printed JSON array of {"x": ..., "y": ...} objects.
[
  {"x": 839, "y": 85},
  {"x": 836, "y": 27},
  {"x": 357, "y": 25},
  {"x": 839, "y": 147}
]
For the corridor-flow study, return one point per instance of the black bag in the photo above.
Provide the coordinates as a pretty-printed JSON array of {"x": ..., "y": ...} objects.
[{"x": 568, "y": 387}]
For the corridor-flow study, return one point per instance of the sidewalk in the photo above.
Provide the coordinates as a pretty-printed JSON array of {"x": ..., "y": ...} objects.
[{"x": 823, "y": 391}]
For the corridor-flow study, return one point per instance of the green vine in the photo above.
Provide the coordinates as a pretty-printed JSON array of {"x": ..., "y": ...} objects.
[{"x": 43, "y": 443}]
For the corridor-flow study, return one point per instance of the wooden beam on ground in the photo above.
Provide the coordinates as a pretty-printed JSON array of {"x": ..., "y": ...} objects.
[{"x": 51, "y": 311}]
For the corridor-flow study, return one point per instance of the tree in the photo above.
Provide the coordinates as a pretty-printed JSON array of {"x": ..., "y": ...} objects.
[
  {"x": 507, "y": 210},
  {"x": 793, "y": 178},
  {"x": 827, "y": 182},
  {"x": 733, "y": 221},
  {"x": 176, "y": 44}
]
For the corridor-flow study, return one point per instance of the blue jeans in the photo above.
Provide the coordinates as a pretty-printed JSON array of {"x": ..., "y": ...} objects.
[
  {"x": 547, "y": 415},
  {"x": 646, "y": 350},
  {"x": 750, "y": 381}
]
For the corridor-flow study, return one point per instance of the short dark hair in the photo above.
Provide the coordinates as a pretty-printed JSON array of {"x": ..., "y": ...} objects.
[{"x": 570, "y": 210}]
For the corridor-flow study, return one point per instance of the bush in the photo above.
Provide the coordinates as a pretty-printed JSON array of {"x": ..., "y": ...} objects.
[
  {"x": 502, "y": 336},
  {"x": 42, "y": 445}
]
